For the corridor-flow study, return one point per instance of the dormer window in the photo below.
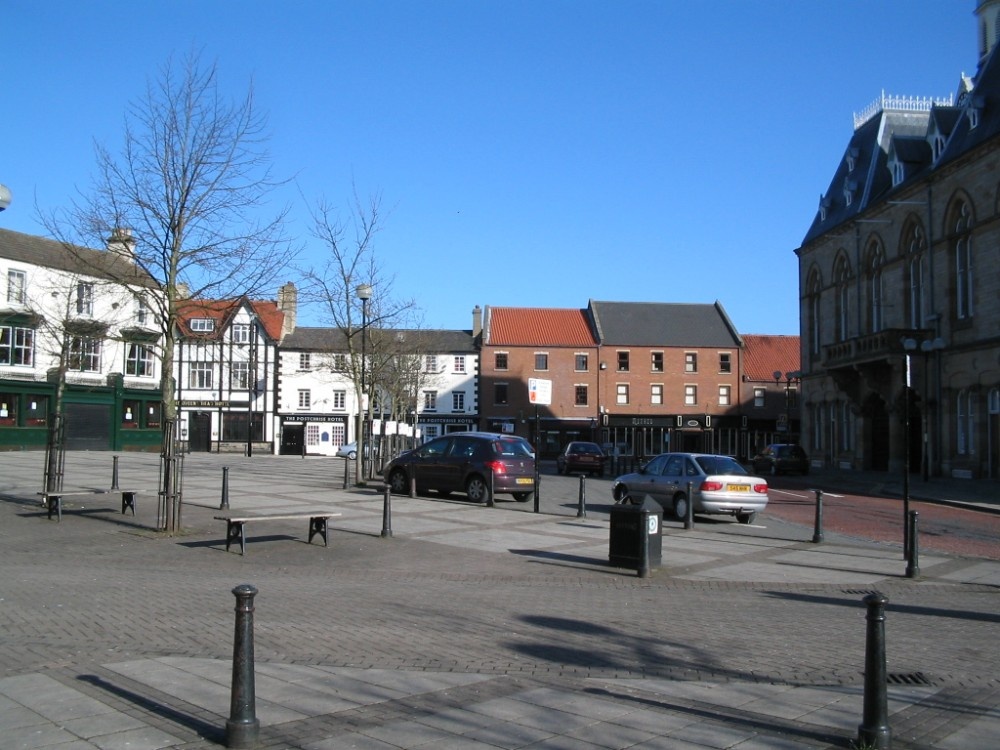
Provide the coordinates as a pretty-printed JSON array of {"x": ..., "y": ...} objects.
[
  {"x": 898, "y": 170},
  {"x": 849, "y": 187},
  {"x": 937, "y": 145},
  {"x": 973, "y": 110},
  {"x": 202, "y": 325},
  {"x": 824, "y": 207},
  {"x": 852, "y": 159}
]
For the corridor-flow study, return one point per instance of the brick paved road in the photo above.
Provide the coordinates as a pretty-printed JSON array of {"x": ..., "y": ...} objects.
[{"x": 100, "y": 587}]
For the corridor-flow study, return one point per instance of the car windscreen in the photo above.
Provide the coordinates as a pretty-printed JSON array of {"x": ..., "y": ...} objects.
[
  {"x": 719, "y": 465},
  {"x": 590, "y": 448}
]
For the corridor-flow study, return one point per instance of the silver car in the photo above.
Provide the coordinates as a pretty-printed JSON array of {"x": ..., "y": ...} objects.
[{"x": 719, "y": 485}]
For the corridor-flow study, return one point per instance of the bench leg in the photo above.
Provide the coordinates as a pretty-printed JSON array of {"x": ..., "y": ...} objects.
[
  {"x": 128, "y": 501},
  {"x": 234, "y": 533},
  {"x": 317, "y": 525},
  {"x": 55, "y": 504}
]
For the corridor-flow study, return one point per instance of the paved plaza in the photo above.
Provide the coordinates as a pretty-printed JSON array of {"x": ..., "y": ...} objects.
[{"x": 464, "y": 626}]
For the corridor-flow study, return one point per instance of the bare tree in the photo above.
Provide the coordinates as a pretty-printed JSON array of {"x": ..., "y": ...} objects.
[
  {"x": 352, "y": 264},
  {"x": 190, "y": 186}
]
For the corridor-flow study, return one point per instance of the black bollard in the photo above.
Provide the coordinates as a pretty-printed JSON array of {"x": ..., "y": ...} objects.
[
  {"x": 242, "y": 728},
  {"x": 818, "y": 527},
  {"x": 387, "y": 512},
  {"x": 347, "y": 473},
  {"x": 224, "y": 505},
  {"x": 581, "y": 510},
  {"x": 490, "y": 501},
  {"x": 689, "y": 511},
  {"x": 642, "y": 571},
  {"x": 114, "y": 473},
  {"x": 874, "y": 731},
  {"x": 913, "y": 560}
]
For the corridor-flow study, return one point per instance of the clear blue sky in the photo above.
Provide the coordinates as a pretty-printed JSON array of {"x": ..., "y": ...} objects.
[{"x": 534, "y": 153}]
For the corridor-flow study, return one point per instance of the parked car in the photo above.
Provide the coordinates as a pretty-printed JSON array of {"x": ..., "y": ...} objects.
[
  {"x": 780, "y": 458},
  {"x": 348, "y": 450},
  {"x": 464, "y": 462},
  {"x": 719, "y": 485},
  {"x": 581, "y": 458}
]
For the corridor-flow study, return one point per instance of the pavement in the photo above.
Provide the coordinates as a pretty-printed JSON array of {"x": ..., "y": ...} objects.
[{"x": 436, "y": 623}]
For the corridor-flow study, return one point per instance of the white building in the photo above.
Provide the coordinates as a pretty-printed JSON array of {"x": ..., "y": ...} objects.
[
  {"x": 91, "y": 315},
  {"x": 423, "y": 381},
  {"x": 225, "y": 369}
]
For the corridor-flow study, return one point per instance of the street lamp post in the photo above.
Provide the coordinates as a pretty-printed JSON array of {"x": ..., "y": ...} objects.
[
  {"x": 364, "y": 293},
  {"x": 790, "y": 376}
]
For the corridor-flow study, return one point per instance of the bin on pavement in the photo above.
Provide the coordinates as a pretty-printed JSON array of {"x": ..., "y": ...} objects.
[{"x": 628, "y": 525}]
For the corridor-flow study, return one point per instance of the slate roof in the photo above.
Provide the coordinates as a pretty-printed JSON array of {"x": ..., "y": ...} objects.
[
  {"x": 763, "y": 354},
  {"x": 223, "y": 311},
  {"x": 871, "y": 142},
  {"x": 100, "y": 264},
  {"x": 537, "y": 326},
  {"x": 663, "y": 324},
  {"x": 330, "y": 339}
]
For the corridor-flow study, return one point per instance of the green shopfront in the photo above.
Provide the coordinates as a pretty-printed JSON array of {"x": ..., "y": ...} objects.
[{"x": 107, "y": 417}]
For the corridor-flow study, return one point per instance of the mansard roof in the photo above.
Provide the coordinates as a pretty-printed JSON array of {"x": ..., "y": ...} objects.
[
  {"x": 862, "y": 178},
  {"x": 537, "y": 326},
  {"x": 765, "y": 354},
  {"x": 663, "y": 324},
  {"x": 429, "y": 341},
  {"x": 60, "y": 256}
]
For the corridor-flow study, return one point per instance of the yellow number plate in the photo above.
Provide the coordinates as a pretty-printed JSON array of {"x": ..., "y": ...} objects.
[
  {"x": 739, "y": 488},
  {"x": 525, "y": 480}
]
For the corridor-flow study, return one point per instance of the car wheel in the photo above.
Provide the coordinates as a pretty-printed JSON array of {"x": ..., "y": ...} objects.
[
  {"x": 774, "y": 470},
  {"x": 523, "y": 497},
  {"x": 746, "y": 518},
  {"x": 620, "y": 493},
  {"x": 477, "y": 490},
  {"x": 399, "y": 483},
  {"x": 559, "y": 469},
  {"x": 353, "y": 455},
  {"x": 681, "y": 507}
]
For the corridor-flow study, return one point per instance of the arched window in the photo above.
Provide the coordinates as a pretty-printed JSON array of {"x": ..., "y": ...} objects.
[
  {"x": 963, "y": 262},
  {"x": 916, "y": 268},
  {"x": 875, "y": 307},
  {"x": 841, "y": 280},
  {"x": 814, "y": 329}
]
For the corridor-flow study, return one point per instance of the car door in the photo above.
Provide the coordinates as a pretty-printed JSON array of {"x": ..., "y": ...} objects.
[
  {"x": 457, "y": 463},
  {"x": 428, "y": 463},
  {"x": 650, "y": 481},
  {"x": 672, "y": 480}
]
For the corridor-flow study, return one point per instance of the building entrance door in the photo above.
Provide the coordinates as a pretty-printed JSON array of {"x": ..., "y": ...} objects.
[{"x": 201, "y": 432}]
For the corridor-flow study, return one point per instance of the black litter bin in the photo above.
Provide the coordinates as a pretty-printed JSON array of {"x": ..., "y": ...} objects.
[{"x": 629, "y": 523}]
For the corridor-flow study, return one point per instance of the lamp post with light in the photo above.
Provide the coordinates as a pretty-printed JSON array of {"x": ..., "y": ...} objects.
[
  {"x": 790, "y": 377},
  {"x": 364, "y": 293}
]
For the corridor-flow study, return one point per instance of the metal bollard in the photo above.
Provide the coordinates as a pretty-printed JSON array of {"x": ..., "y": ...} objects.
[
  {"x": 874, "y": 731},
  {"x": 347, "y": 473},
  {"x": 413, "y": 486},
  {"x": 490, "y": 499},
  {"x": 114, "y": 474},
  {"x": 818, "y": 527},
  {"x": 242, "y": 728},
  {"x": 387, "y": 512},
  {"x": 642, "y": 570},
  {"x": 225, "y": 489},
  {"x": 581, "y": 510},
  {"x": 913, "y": 559},
  {"x": 689, "y": 512}
]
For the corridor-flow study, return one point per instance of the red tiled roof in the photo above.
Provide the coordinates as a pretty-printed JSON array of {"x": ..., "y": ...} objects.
[
  {"x": 765, "y": 354},
  {"x": 537, "y": 326},
  {"x": 222, "y": 310}
]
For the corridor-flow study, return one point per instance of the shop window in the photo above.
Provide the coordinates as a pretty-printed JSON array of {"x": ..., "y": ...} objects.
[
  {"x": 153, "y": 411},
  {"x": 8, "y": 409},
  {"x": 130, "y": 414}
]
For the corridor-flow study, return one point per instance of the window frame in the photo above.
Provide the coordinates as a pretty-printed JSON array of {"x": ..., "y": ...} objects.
[
  {"x": 17, "y": 286},
  {"x": 139, "y": 360}
]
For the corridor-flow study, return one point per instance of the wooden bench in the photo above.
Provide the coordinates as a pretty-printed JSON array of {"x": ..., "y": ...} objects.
[
  {"x": 235, "y": 524},
  {"x": 53, "y": 500}
]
